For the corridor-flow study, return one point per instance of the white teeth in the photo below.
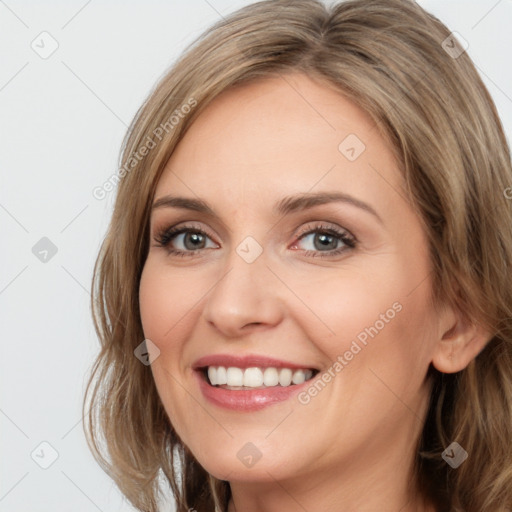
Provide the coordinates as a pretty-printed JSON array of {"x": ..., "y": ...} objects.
[
  {"x": 234, "y": 376},
  {"x": 270, "y": 377},
  {"x": 255, "y": 377},
  {"x": 212, "y": 375},
  {"x": 222, "y": 377},
  {"x": 298, "y": 377},
  {"x": 285, "y": 377}
]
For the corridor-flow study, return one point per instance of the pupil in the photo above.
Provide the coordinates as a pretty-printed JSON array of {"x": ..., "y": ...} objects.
[
  {"x": 325, "y": 240},
  {"x": 194, "y": 237}
]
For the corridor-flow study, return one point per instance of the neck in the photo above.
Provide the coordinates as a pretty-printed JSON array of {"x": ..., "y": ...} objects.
[
  {"x": 275, "y": 502},
  {"x": 365, "y": 480}
]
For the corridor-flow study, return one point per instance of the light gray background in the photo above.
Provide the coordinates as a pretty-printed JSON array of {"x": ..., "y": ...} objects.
[{"x": 62, "y": 120}]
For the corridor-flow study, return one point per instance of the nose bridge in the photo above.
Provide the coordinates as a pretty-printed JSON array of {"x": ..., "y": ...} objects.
[{"x": 246, "y": 293}]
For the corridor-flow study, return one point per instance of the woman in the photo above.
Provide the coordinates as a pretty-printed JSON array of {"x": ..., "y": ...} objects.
[{"x": 303, "y": 298}]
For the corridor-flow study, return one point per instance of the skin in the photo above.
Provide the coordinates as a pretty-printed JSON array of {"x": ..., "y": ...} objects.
[{"x": 351, "y": 448}]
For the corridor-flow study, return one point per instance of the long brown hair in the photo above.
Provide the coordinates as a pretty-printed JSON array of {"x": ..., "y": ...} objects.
[{"x": 403, "y": 67}]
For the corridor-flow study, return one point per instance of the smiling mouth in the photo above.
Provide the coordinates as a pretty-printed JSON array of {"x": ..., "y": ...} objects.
[{"x": 234, "y": 378}]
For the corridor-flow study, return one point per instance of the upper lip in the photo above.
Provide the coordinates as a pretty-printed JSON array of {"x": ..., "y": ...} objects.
[{"x": 246, "y": 361}]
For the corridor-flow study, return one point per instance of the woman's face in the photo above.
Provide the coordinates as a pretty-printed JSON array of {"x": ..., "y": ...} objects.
[{"x": 299, "y": 258}]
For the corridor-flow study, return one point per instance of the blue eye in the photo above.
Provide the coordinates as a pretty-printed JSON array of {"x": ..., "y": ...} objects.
[
  {"x": 327, "y": 240},
  {"x": 324, "y": 241},
  {"x": 190, "y": 238}
]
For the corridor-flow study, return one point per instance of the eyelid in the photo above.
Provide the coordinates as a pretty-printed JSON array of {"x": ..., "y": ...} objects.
[
  {"x": 166, "y": 234},
  {"x": 180, "y": 227},
  {"x": 325, "y": 226}
]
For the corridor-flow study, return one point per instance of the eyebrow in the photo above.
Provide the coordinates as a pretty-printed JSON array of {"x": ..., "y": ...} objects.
[{"x": 284, "y": 206}]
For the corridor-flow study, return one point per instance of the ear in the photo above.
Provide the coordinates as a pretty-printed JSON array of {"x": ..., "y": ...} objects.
[{"x": 459, "y": 341}]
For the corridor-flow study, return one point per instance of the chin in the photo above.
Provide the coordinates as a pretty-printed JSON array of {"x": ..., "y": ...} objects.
[{"x": 243, "y": 460}]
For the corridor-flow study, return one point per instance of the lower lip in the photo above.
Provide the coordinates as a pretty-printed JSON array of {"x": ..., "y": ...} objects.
[{"x": 247, "y": 400}]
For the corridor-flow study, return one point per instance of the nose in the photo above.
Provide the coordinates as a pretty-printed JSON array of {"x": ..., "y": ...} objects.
[{"x": 245, "y": 298}]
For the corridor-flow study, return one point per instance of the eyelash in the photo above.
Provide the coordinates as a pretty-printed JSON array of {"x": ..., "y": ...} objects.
[{"x": 166, "y": 235}]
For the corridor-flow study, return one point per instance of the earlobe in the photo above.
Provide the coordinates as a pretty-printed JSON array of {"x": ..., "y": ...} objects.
[{"x": 459, "y": 344}]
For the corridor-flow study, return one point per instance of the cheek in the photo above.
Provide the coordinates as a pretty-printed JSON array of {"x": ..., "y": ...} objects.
[
  {"x": 166, "y": 302},
  {"x": 166, "y": 309},
  {"x": 373, "y": 313},
  {"x": 153, "y": 301}
]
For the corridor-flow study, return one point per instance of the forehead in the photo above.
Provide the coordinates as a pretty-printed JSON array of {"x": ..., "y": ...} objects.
[{"x": 282, "y": 135}]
